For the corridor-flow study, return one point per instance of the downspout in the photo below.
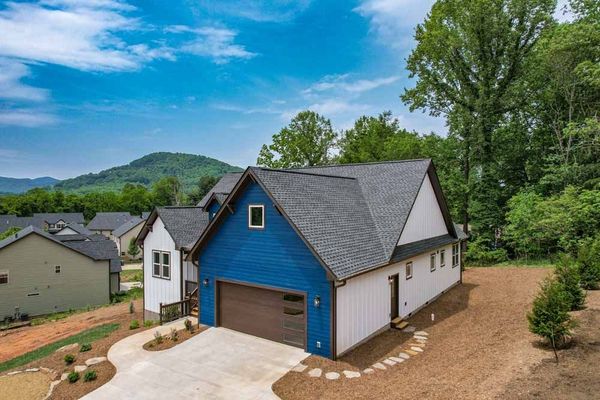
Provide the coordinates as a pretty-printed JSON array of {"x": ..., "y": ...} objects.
[{"x": 333, "y": 321}]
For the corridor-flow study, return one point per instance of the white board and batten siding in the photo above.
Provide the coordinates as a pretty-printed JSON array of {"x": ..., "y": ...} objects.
[
  {"x": 425, "y": 219},
  {"x": 157, "y": 290},
  {"x": 363, "y": 305}
]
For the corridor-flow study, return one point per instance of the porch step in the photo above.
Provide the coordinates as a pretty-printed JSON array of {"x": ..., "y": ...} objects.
[
  {"x": 402, "y": 325},
  {"x": 397, "y": 320}
]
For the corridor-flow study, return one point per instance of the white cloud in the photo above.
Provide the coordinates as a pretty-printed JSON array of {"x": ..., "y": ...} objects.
[
  {"x": 216, "y": 43},
  {"x": 26, "y": 118},
  {"x": 257, "y": 10},
  {"x": 341, "y": 82},
  {"x": 11, "y": 86},
  {"x": 393, "y": 21}
]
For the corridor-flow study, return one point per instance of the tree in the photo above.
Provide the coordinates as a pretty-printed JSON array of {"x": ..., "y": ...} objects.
[
  {"x": 549, "y": 317},
  {"x": 567, "y": 274},
  {"x": 470, "y": 63},
  {"x": 167, "y": 192},
  {"x": 135, "y": 199},
  {"x": 9, "y": 232},
  {"x": 588, "y": 260},
  {"x": 205, "y": 184},
  {"x": 306, "y": 141},
  {"x": 133, "y": 250}
]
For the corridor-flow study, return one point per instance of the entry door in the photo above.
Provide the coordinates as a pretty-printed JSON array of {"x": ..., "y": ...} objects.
[{"x": 393, "y": 296}]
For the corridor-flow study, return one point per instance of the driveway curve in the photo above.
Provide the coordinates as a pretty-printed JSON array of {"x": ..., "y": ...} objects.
[{"x": 216, "y": 364}]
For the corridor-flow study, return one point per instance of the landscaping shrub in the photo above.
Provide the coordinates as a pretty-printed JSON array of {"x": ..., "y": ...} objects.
[
  {"x": 73, "y": 377},
  {"x": 188, "y": 325},
  {"x": 567, "y": 274},
  {"x": 90, "y": 376},
  {"x": 85, "y": 347},
  {"x": 148, "y": 323},
  {"x": 131, "y": 307},
  {"x": 69, "y": 359},
  {"x": 588, "y": 259},
  {"x": 549, "y": 317},
  {"x": 174, "y": 335},
  {"x": 134, "y": 324},
  {"x": 478, "y": 253},
  {"x": 158, "y": 337}
]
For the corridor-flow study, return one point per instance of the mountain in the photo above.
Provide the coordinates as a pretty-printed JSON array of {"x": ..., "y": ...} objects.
[
  {"x": 147, "y": 170},
  {"x": 20, "y": 185}
]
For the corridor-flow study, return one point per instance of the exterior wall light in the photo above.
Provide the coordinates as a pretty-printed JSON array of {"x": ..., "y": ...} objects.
[
  {"x": 205, "y": 282},
  {"x": 317, "y": 301}
]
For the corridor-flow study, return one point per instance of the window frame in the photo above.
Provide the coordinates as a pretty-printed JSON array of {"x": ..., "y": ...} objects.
[
  {"x": 442, "y": 258},
  {"x": 409, "y": 265},
  {"x": 432, "y": 260},
  {"x": 455, "y": 255},
  {"x": 7, "y": 277},
  {"x": 250, "y": 207},
  {"x": 161, "y": 264}
]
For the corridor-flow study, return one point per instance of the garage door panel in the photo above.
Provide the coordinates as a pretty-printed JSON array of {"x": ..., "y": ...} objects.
[{"x": 261, "y": 312}]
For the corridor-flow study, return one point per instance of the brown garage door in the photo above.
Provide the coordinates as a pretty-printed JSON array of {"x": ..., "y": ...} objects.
[{"x": 270, "y": 314}]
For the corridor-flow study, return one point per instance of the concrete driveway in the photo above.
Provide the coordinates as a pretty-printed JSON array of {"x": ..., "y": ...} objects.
[{"x": 216, "y": 364}]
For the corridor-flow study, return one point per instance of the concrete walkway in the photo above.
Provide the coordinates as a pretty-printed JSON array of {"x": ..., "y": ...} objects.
[{"x": 216, "y": 364}]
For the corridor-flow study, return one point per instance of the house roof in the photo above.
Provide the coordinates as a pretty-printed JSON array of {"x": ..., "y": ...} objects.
[
  {"x": 127, "y": 226},
  {"x": 69, "y": 218},
  {"x": 223, "y": 186},
  {"x": 80, "y": 229},
  {"x": 145, "y": 215},
  {"x": 412, "y": 249},
  {"x": 96, "y": 250},
  {"x": 460, "y": 232},
  {"x": 184, "y": 224},
  {"x": 350, "y": 216},
  {"x": 108, "y": 221}
]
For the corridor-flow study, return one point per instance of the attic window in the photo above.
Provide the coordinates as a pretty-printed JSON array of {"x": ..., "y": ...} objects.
[
  {"x": 256, "y": 216},
  {"x": 4, "y": 278}
]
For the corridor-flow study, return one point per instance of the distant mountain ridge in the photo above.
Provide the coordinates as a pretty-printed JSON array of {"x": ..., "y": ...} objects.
[
  {"x": 20, "y": 185},
  {"x": 147, "y": 170}
]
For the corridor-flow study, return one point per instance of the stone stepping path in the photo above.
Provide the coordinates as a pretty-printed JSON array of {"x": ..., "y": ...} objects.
[{"x": 411, "y": 349}]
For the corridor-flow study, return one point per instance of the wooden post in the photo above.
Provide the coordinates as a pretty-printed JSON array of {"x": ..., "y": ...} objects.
[{"x": 160, "y": 313}]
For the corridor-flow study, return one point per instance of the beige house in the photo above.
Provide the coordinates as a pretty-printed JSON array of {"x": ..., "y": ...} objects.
[
  {"x": 39, "y": 274},
  {"x": 125, "y": 233}
]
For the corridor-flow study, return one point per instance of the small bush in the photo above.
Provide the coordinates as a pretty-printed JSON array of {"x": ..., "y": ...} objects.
[
  {"x": 69, "y": 359},
  {"x": 134, "y": 324},
  {"x": 188, "y": 325},
  {"x": 90, "y": 376},
  {"x": 479, "y": 253},
  {"x": 85, "y": 347},
  {"x": 131, "y": 307},
  {"x": 588, "y": 260},
  {"x": 158, "y": 337},
  {"x": 148, "y": 323},
  {"x": 174, "y": 335},
  {"x": 73, "y": 377},
  {"x": 549, "y": 317},
  {"x": 567, "y": 274}
]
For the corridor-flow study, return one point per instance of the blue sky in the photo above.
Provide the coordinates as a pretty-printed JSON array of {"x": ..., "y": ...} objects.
[{"x": 89, "y": 84}]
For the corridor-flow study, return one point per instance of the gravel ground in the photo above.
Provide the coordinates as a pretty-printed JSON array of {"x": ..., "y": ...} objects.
[{"x": 478, "y": 345}]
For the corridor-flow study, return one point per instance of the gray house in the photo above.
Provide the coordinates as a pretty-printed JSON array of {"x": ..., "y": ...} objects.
[
  {"x": 41, "y": 274},
  {"x": 106, "y": 222},
  {"x": 51, "y": 222}
]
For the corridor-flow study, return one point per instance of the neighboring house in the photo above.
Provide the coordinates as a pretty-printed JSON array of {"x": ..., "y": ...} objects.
[
  {"x": 166, "y": 238},
  {"x": 106, "y": 222},
  {"x": 124, "y": 233},
  {"x": 51, "y": 222},
  {"x": 40, "y": 274},
  {"x": 74, "y": 229},
  {"x": 324, "y": 258}
]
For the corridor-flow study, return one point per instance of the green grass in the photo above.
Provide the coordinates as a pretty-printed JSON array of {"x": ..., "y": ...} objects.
[
  {"x": 132, "y": 294},
  {"x": 132, "y": 275},
  {"x": 86, "y": 336}
]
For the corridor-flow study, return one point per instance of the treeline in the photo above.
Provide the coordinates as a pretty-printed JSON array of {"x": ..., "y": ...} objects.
[
  {"x": 520, "y": 92},
  {"x": 133, "y": 198}
]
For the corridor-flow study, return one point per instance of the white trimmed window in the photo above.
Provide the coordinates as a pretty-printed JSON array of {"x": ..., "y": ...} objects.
[
  {"x": 161, "y": 264},
  {"x": 409, "y": 270},
  {"x": 442, "y": 258},
  {"x": 455, "y": 255},
  {"x": 432, "y": 262},
  {"x": 256, "y": 216},
  {"x": 3, "y": 277}
]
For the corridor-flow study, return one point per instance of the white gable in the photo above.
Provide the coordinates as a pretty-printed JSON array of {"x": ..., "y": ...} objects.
[
  {"x": 66, "y": 231},
  {"x": 425, "y": 219}
]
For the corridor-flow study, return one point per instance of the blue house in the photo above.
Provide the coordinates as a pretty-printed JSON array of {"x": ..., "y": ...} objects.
[{"x": 324, "y": 258}]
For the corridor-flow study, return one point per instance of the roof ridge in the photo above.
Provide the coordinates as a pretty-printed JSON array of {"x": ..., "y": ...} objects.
[
  {"x": 364, "y": 163},
  {"x": 291, "y": 171}
]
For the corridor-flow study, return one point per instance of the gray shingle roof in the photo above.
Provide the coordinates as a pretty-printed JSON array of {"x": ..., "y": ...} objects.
[
  {"x": 69, "y": 218},
  {"x": 460, "y": 232},
  {"x": 38, "y": 220},
  {"x": 82, "y": 230},
  {"x": 127, "y": 226},
  {"x": 108, "y": 221},
  {"x": 184, "y": 224},
  {"x": 409, "y": 250},
  {"x": 225, "y": 185}
]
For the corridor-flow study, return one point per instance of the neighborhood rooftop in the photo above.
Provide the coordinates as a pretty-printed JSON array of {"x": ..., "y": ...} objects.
[
  {"x": 184, "y": 224},
  {"x": 39, "y": 220},
  {"x": 127, "y": 226},
  {"x": 223, "y": 186},
  {"x": 108, "y": 221}
]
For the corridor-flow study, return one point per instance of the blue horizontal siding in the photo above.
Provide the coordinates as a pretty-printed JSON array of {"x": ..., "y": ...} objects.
[{"x": 275, "y": 256}]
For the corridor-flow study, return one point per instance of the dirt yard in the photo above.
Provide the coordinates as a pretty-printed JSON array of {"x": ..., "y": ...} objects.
[
  {"x": 478, "y": 348},
  {"x": 15, "y": 342}
]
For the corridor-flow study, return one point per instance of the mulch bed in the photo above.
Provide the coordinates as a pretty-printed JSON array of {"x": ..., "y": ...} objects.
[
  {"x": 167, "y": 343},
  {"x": 105, "y": 370},
  {"x": 478, "y": 344}
]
